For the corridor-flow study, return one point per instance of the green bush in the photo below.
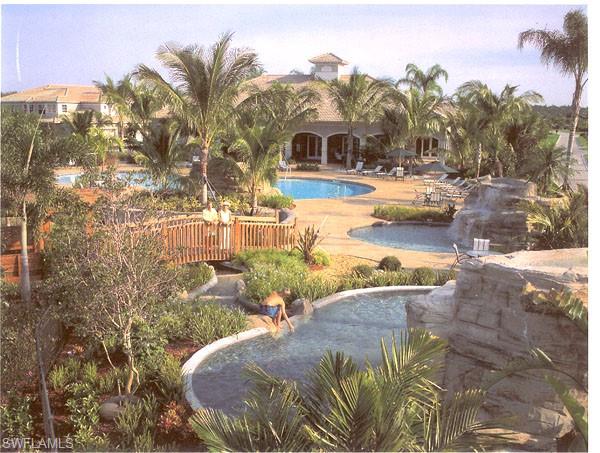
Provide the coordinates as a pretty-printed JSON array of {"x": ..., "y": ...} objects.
[
  {"x": 137, "y": 423},
  {"x": 148, "y": 344},
  {"x": 390, "y": 263},
  {"x": 89, "y": 373},
  {"x": 289, "y": 261},
  {"x": 314, "y": 287},
  {"x": 276, "y": 201},
  {"x": 263, "y": 280},
  {"x": 397, "y": 213},
  {"x": 168, "y": 379},
  {"x": 211, "y": 322},
  {"x": 443, "y": 276},
  {"x": 423, "y": 276},
  {"x": 16, "y": 418},
  {"x": 107, "y": 382},
  {"x": 58, "y": 378},
  {"x": 306, "y": 166},
  {"x": 194, "y": 275},
  {"x": 321, "y": 257},
  {"x": 363, "y": 270}
]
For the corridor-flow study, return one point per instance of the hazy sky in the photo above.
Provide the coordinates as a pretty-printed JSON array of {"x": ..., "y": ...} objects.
[{"x": 44, "y": 44}]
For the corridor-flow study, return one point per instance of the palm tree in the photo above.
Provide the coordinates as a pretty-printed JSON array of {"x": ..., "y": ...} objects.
[
  {"x": 359, "y": 98},
  {"x": 257, "y": 150},
  {"x": 568, "y": 51},
  {"x": 119, "y": 95},
  {"x": 546, "y": 166},
  {"x": 161, "y": 150},
  {"x": 80, "y": 122},
  {"x": 462, "y": 127},
  {"x": 423, "y": 81},
  {"x": 392, "y": 407},
  {"x": 205, "y": 84},
  {"x": 415, "y": 114},
  {"x": 494, "y": 110}
]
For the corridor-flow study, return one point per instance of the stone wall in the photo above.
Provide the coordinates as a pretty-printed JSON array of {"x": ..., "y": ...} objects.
[
  {"x": 487, "y": 321},
  {"x": 491, "y": 211}
]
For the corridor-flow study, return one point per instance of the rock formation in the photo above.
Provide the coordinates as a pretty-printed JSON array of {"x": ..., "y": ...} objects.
[
  {"x": 492, "y": 212},
  {"x": 488, "y": 321}
]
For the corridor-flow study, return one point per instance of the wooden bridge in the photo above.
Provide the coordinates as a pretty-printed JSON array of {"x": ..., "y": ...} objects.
[{"x": 186, "y": 239}]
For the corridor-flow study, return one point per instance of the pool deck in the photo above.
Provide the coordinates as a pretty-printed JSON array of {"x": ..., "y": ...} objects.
[{"x": 342, "y": 214}]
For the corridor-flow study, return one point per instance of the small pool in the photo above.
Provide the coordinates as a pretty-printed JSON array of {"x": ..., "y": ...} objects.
[
  {"x": 354, "y": 325},
  {"x": 423, "y": 238},
  {"x": 303, "y": 189},
  {"x": 135, "y": 179}
]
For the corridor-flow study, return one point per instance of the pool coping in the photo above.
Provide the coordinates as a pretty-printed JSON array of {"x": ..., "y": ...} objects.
[
  {"x": 188, "y": 368},
  {"x": 373, "y": 188}
]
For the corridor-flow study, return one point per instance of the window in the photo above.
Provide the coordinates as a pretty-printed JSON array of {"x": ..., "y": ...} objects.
[
  {"x": 64, "y": 108},
  {"x": 25, "y": 108},
  {"x": 41, "y": 108},
  {"x": 30, "y": 108}
]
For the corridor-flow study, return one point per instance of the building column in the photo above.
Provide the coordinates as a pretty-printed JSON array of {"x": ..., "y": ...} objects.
[
  {"x": 430, "y": 145},
  {"x": 287, "y": 153},
  {"x": 323, "y": 151}
]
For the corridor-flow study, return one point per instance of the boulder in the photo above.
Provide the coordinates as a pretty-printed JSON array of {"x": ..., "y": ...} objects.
[
  {"x": 493, "y": 211},
  {"x": 113, "y": 406},
  {"x": 487, "y": 319},
  {"x": 300, "y": 307}
]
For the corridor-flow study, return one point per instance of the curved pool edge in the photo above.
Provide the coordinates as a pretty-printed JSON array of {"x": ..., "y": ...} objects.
[
  {"x": 188, "y": 368},
  {"x": 330, "y": 179}
]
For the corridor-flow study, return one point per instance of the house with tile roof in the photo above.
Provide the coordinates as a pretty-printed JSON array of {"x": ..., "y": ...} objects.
[
  {"x": 54, "y": 101},
  {"x": 323, "y": 140}
]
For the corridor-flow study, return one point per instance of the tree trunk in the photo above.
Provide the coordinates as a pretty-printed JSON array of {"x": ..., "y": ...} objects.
[
  {"x": 479, "y": 152},
  {"x": 24, "y": 274},
  {"x": 349, "y": 147},
  {"x": 204, "y": 172},
  {"x": 575, "y": 106}
]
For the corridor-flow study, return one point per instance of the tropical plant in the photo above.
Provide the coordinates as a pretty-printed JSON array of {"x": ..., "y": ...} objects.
[
  {"x": 257, "y": 149},
  {"x": 118, "y": 95},
  {"x": 568, "y": 52},
  {"x": 205, "y": 84},
  {"x": 359, "y": 98},
  {"x": 395, "y": 406},
  {"x": 161, "y": 150},
  {"x": 81, "y": 122},
  {"x": 423, "y": 81},
  {"x": 546, "y": 166},
  {"x": 102, "y": 144},
  {"x": 494, "y": 110},
  {"x": 561, "y": 224},
  {"x": 308, "y": 240},
  {"x": 276, "y": 201},
  {"x": 390, "y": 263}
]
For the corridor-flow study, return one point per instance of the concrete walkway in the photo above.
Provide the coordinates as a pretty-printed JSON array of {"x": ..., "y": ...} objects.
[
  {"x": 224, "y": 292},
  {"x": 580, "y": 173}
]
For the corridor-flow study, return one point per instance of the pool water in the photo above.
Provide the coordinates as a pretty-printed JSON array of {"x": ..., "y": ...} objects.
[
  {"x": 303, "y": 189},
  {"x": 135, "y": 179},
  {"x": 354, "y": 326},
  {"x": 424, "y": 238}
]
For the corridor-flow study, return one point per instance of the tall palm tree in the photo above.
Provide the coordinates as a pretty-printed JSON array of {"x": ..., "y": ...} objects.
[
  {"x": 546, "y": 166},
  {"x": 414, "y": 114},
  {"x": 392, "y": 407},
  {"x": 80, "y": 122},
  {"x": 359, "y": 98},
  {"x": 567, "y": 51},
  {"x": 494, "y": 110},
  {"x": 205, "y": 84},
  {"x": 119, "y": 95},
  {"x": 161, "y": 149},
  {"x": 424, "y": 81},
  {"x": 462, "y": 127},
  {"x": 257, "y": 149}
]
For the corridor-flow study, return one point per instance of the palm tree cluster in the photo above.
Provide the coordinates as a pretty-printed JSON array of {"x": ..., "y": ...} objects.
[{"x": 395, "y": 406}]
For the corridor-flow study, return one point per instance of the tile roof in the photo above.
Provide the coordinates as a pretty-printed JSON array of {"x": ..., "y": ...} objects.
[
  {"x": 326, "y": 109},
  {"x": 328, "y": 58},
  {"x": 57, "y": 93}
]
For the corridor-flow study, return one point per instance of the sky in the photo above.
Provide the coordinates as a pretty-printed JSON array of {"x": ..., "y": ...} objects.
[{"x": 43, "y": 44}]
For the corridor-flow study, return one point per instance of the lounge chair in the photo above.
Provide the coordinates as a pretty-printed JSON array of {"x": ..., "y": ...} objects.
[
  {"x": 357, "y": 169},
  {"x": 435, "y": 199},
  {"x": 383, "y": 174},
  {"x": 423, "y": 197},
  {"x": 371, "y": 172},
  {"x": 436, "y": 181},
  {"x": 481, "y": 247},
  {"x": 283, "y": 166}
]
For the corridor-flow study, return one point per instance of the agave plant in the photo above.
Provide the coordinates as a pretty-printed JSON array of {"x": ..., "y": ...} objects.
[
  {"x": 308, "y": 240},
  {"x": 395, "y": 406}
]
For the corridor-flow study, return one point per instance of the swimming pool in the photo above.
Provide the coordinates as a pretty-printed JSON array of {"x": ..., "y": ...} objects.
[
  {"x": 420, "y": 237},
  {"x": 135, "y": 179},
  {"x": 354, "y": 325},
  {"x": 303, "y": 189}
]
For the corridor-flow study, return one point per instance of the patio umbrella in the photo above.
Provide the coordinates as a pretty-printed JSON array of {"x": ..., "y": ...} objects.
[
  {"x": 435, "y": 167},
  {"x": 399, "y": 153}
]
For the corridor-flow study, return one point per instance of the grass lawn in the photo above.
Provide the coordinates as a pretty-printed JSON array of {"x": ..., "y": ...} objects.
[
  {"x": 552, "y": 138},
  {"x": 583, "y": 144}
]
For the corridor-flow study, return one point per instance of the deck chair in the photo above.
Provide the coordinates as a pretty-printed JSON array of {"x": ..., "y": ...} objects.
[
  {"x": 371, "y": 172},
  {"x": 400, "y": 173},
  {"x": 355, "y": 170},
  {"x": 435, "y": 199},
  {"x": 383, "y": 174},
  {"x": 283, "y": 166},
  {"x": 434, "y": 180},
  {"x": 423, "y": 197},
  {"x": 481, "y": 247}
]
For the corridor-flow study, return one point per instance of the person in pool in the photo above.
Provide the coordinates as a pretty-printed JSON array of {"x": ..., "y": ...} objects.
[{"x": 274, "y": 307}]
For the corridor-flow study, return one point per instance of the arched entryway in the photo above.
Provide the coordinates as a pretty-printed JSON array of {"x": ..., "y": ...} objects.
[
  {"x": 306, "y": 146},
  {"x": 336, "y": 147}
]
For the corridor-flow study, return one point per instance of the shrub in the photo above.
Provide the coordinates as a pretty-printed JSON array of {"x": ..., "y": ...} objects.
[
  {"x": 168, "y": 379},
  {"x": 390, "y": 263},
  {"x": 148, "y": 344},
  {"x": 423, "y": 276},
  {"x": 389, "y": 278},
  {"x": 307, "y": 166},
  {"x": 276, "y": 201},
  {"x": 173, "y": 418},
  {"x": 307, "y": 243},
  {"x": 397, "y": 213},
  {"x": 17, "y": 421},
  {"x": 194, "y": 275},
  {"x": 58, "y": 378},
  {"x": 314, "y": 287},
  {"x": 211, "y": 322},
  {"x": 72, "y": 369},
  {"x": 89, "y": 373},
  {"x": 289, "y": 261},
  {"x": 444, "y": 276},
  {"x": 363, "y": 270},
  {"x": 84, "y": 417},
  {"x": 136, "y": 424},
  {"x": 321, "y": 257},
  {"x": 263, "y": 280}
]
